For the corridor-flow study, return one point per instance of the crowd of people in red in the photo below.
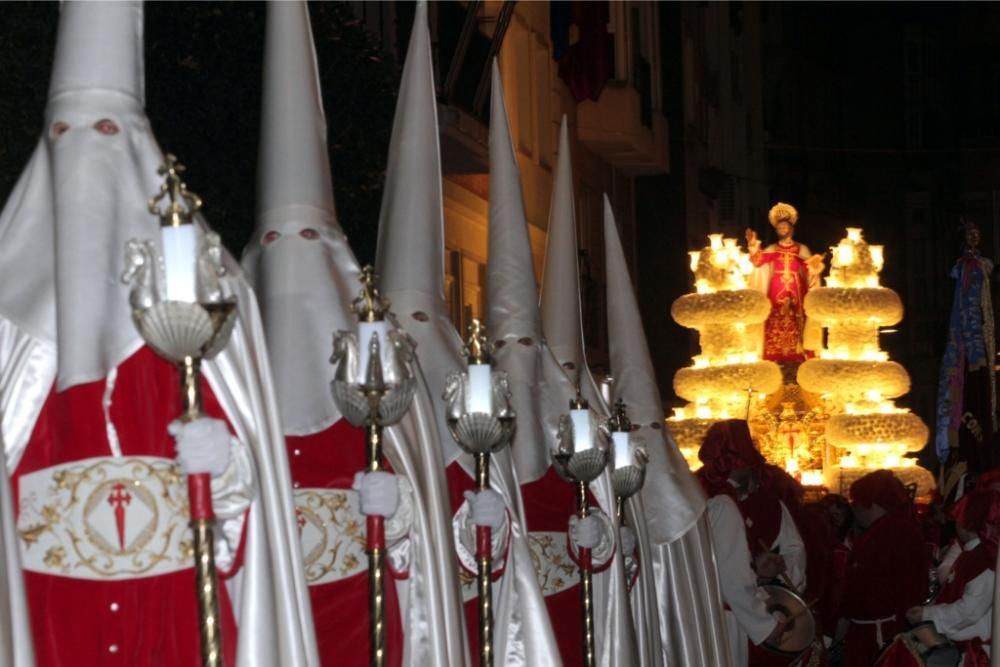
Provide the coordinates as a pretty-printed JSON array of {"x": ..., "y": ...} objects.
[{"x": 887, "y": 581}]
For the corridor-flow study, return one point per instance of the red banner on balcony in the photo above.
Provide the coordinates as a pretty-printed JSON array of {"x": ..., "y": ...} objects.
[{"x": 582, "y": 46}]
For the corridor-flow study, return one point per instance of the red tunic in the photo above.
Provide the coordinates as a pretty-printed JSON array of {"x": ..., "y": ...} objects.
[
  {"x": 329, "y": 460},
  {"x": 548, "y": 503},
  {"x": 787, "y": 290},
  {"x": 762, "y": 516},
  {"x": 886, "y": 575},
  {"x": 146, "y": 620}
]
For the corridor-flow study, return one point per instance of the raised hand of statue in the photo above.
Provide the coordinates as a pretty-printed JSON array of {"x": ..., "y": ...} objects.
[
  {"x": 753, "y": 242},
  {"x": 815, "y": 263}
]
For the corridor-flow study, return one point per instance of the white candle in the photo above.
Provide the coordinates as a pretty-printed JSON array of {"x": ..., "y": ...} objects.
[
  {"x": 480, "y": 398},
  {"x": 623, "y": 451},
  {"x": 695, "y": 256},
  {"x": 180, "y": 261},
  {"x": 878, "y": 258},
  {"x": 365, "y": 332},
  {"x": 845, "y": 254},
  {"x": 582, "y": 436}
]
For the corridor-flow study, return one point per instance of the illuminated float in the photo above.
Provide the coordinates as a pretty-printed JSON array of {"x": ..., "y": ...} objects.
[
  {"x": 857, "y": 382},
  {"x": 729, "y": 318},
  {"x": 833, "y": 419}
]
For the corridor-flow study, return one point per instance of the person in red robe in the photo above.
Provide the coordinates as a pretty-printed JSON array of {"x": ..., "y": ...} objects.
[
  {"x": 767, "y": 547},
  {"x": 836, "y": 511},
  {"x": 818, "y": 537},
  {"x": 785, "y": 271},
  {"x": 962, "y": 610},
  {"x": 887, "y": 572}
]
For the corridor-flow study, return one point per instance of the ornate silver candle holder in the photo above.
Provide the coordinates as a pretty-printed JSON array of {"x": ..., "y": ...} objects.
[
  {"x": 480, "y": 418},
  {"x": 185, "y": 330},
  {"x": 372, "y": 396}
]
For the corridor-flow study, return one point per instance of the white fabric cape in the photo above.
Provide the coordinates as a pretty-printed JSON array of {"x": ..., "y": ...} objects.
[
  {"x": 269, "y": 594},
  {"x": 677, "y": 534},
  {"x": 410, "y": 263}
]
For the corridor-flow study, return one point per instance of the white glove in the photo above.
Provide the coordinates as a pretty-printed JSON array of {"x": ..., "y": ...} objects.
[
  {"x": 629, "y": 540},
  {"x": 486, "y": 508},
  {"x": 586, "y": 533},
  {"x": 202, "y": 445},
  {"x": 378, "y": 491}
]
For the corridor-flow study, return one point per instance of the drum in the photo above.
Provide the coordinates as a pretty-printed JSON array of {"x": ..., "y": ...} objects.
[
  {"x": 801, "y": 630},
  {"x": 927, "y": 636},
  {"x": 934, "y": 648},
  {"x": 921, "y": 646}
]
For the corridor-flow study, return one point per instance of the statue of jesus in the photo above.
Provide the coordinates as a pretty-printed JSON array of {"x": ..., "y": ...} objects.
[{"x": 785, "y": 271}]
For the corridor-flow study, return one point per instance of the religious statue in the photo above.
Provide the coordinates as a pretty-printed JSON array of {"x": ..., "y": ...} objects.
[
  {"x": 967, "y": 404},
  {"x": 785, "y": 271}
]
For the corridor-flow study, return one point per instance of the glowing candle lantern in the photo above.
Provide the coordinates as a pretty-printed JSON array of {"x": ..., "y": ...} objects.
[
  {"x": 715, "y": 241},
  {"x": 845, "y": 254},
  {"x": 877, "y": 257},
  {"x": 812, "y": 478},
  {"x": 854, "y": 234},
  {"x": 695, "y": 258}
]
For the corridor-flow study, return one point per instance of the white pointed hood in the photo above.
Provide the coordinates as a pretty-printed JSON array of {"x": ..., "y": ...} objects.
[
  {"x": 410, "y": 268},
  {"x": 100, "y": 47},
  {"x": 411, "y": 224},
  {"x": 562, "y": 320},
  {"x": 410, "y": 255},
  {"x": 298, "y": 259},
  {"x": 83, "y": 195},
  {"x": 672, "y": 497},
  {"x": 64, "y": 312},
  {"x": 410, "y": 260},
  {"x": 560, "y": 299},
  {"x": 541, "y": 391}
]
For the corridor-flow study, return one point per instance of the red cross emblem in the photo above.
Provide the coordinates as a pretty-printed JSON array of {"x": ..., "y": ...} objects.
[{"x": 119, "y": 498}]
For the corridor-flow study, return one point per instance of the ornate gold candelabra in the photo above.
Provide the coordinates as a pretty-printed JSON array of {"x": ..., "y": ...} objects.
[
  {"x": 180, "y": 311},
  {"x": 373, "y": 388},
  {"x": 481, "y": 421},
  {"x": 581, "y": 457}
]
